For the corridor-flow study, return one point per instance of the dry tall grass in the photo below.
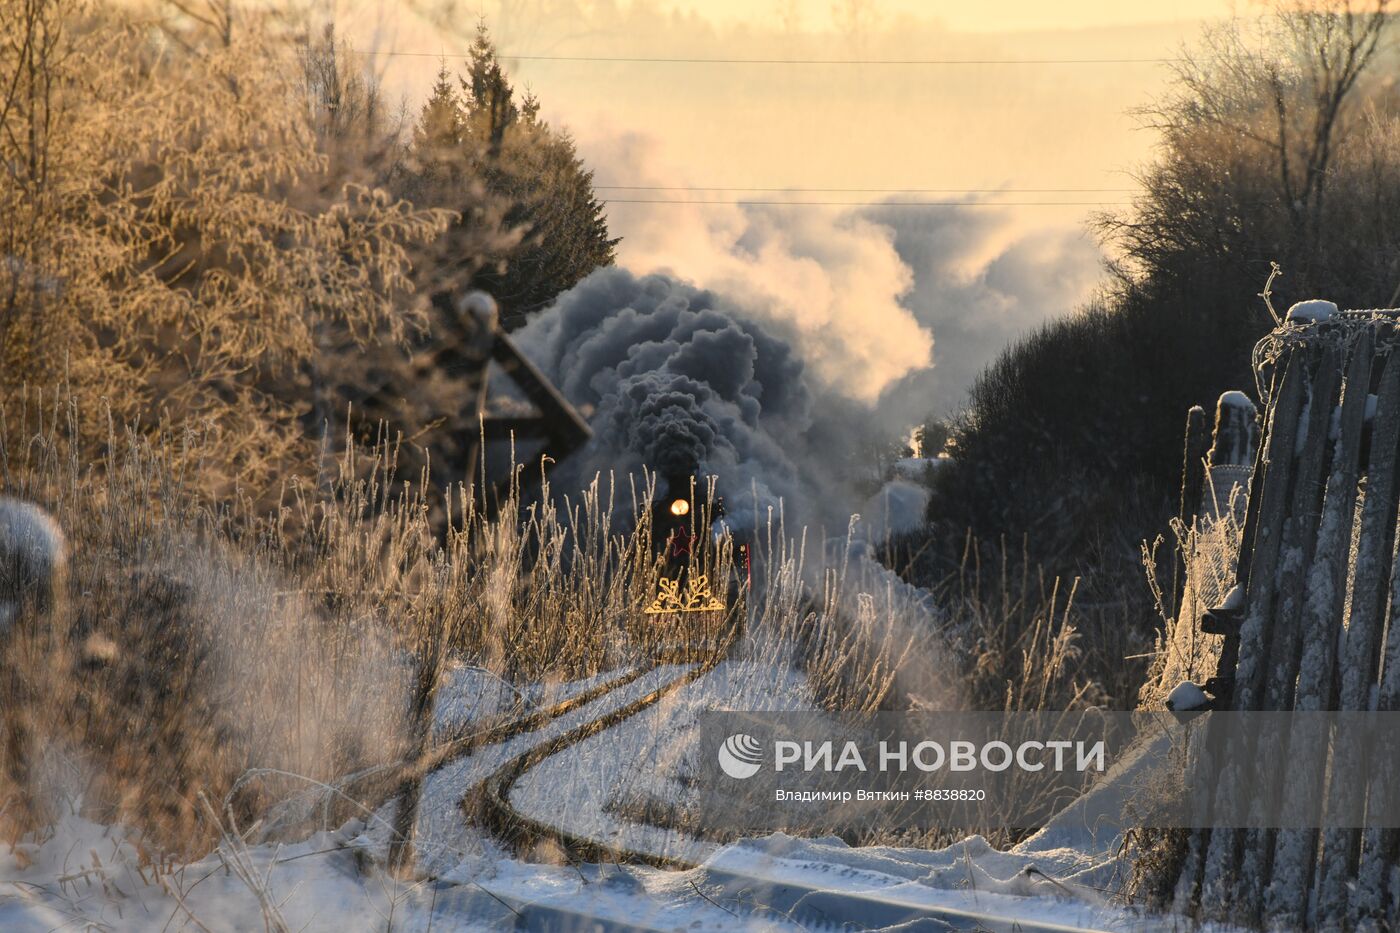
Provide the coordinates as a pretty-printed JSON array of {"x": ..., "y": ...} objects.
[
  {"x": 1208, "y": 550},
  {"x": 207, "y": 647}
]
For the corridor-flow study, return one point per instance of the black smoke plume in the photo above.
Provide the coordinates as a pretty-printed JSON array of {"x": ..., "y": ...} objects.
[{"x": 681, "y": 382}]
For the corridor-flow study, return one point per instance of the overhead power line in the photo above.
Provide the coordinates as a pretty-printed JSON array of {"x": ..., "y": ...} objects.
[
  {"x": 747, "y": 203},
  {"x": 802, "y": 190},
  {"x": 667, "y": 60}
]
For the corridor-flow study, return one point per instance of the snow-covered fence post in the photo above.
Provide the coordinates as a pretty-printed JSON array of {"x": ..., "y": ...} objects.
[
  {"x": 1283, "y": 637},
  {"x": 1370, "y": 899},
  {"x": 1236, "y": 430},
  {"x": 1216, "y": 471},
  {"x": 1224, "y": 621},
  {"x": 1234, "y": 445},
  {"x": 1361, "y": 649}
]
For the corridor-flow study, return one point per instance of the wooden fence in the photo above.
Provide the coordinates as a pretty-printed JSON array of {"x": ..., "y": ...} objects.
[{"x": 1320, "y": 583}]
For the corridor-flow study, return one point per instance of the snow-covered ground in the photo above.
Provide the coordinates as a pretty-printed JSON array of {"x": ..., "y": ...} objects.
[
  {"x": 470, "y": 694},
  {"x": 445, "y": 843},
  {"x": 90, "y": 877},
  {"x": 94, "y": 877},
  {"x": 648, "y": 756}
]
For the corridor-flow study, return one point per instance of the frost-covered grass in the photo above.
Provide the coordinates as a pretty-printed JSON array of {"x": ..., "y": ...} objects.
[
  {"x": 1185, "y": 656},
  {"x": 206, "y": 651},
  {"x": 1208, "y": 552},
  {"x": 219, "y": 682}
]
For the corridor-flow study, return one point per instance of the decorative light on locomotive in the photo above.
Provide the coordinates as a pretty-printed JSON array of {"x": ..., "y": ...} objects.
[{"x": 680, "y": 507}]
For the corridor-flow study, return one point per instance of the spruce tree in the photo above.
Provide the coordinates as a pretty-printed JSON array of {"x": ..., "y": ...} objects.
[{"x": 478, "y": 134}]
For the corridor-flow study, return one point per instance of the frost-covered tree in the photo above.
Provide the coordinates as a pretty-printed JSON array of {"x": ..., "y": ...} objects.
[
  {"x": 1277, "y": 143},
  {"x": 171, "y": 242},
  {"x": 438, "y": 169},
  {"x": 1273, "y": 130}
]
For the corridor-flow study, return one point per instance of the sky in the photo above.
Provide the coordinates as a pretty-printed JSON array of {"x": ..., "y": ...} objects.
[
  {"x": 971, "y": 17},
  {"x": 901, "y": 305}
]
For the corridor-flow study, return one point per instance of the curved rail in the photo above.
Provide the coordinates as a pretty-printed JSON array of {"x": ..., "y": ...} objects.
[
  {"x": 490, "y": 800},
  {"x": 489, "y": 803},
  {"x": 449, "y": 751}
]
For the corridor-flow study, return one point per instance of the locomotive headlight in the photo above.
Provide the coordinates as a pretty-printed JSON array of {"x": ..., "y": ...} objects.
[{"x": 680, "y": 507}]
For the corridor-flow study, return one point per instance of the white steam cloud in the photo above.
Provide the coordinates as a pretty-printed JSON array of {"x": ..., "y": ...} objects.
[
  {"x": 831, "y": 282},
  {"x": 772, "y": 345},
  {"x": 978, "y": 286},
  {"x": 895, "y": 308}
]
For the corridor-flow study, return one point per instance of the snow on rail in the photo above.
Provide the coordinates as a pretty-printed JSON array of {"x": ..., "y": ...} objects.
[
  {"x": 440, "y": 834},
  {"x": 1055, "y": 882}
]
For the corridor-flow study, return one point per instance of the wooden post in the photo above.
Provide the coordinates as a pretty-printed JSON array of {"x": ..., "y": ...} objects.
[
  {"x": 1193, "y": 474},
  {"x": 1277, "y": 468},
  {"x": 465, "y": 356},
  {"x": 1370, "y": 903},
  {"x": 1193, "y": 467},
  {"x": 1361, "y": 650},
  {"x": 1232, "y": 451},
  {"x": 1283, "y": 635},
  {"x": 1236, "y": 430},
  {"x": 1295, "y": 850},
  {"x": 1187, "y": 894},
  {"x": 1319, "y": 633}
]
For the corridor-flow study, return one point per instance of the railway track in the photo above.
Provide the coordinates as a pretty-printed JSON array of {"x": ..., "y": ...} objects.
[
  {"x": 530, "y": 722},
  {"x": 752, "y": 903},
  {"x": 491, "y": 800},
  {"x": 754, "y": 898},
  {"x": 813, "y": 906},
  {"x": 497, "y": 910}
]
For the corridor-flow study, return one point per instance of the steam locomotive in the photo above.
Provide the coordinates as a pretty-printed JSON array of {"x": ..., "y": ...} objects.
[{"x": 702, "y": 583}]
